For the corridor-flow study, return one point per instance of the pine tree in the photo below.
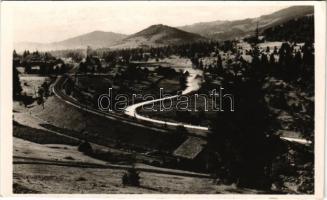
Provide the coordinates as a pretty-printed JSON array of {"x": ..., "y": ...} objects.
[
  {"x": 257, "y": 34},
  {"x": 243, "y": 148},
  {"x": 17, "y": 88}
]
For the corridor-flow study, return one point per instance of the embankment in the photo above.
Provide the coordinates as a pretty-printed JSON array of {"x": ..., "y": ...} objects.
[{"x": 60, "y": 116}]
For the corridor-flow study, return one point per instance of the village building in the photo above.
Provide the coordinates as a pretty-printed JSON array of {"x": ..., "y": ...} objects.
[{"x": 193, "y": 154}]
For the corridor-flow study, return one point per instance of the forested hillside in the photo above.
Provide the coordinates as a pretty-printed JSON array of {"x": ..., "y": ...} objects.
[{"x": 296, "y": 30}]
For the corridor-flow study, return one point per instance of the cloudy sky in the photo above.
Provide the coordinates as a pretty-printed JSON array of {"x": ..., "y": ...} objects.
[{"x": 55, "y": 21}]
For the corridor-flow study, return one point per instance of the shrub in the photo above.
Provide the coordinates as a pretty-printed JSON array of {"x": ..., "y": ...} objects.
[
  {"x": 131, "y": 178},
  {"x": 85, "y": 147}
]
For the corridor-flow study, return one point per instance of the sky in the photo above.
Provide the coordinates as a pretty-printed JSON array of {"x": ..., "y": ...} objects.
[{"x": 55, "y": 21}]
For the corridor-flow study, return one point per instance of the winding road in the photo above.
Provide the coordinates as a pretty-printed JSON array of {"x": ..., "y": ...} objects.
[{"x": 194, "y": 81}]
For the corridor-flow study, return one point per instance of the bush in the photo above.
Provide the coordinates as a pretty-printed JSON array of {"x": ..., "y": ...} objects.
[
  {"x": 81, "y": 179},
  {"x": 85, "y": 147},
  {"x": 131, "y": 178}
]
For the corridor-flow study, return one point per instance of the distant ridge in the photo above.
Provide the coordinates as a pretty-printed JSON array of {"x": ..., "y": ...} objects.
[
  {"x": 95, "y": 39},
  {"x": 225, "y": 30}
]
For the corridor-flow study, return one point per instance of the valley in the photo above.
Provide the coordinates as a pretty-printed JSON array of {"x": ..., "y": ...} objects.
[{"x": 88, "y": 111}]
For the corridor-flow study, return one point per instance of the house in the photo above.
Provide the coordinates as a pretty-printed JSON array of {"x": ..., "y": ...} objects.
[
  {"x": 192, "y": 154},
  {"x": 191, "y": 148}
]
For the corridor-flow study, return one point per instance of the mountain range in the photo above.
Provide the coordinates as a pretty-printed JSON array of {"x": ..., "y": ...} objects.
[
  {"x": 225, "y": 30},
  {"x": 159, "y": 35}
]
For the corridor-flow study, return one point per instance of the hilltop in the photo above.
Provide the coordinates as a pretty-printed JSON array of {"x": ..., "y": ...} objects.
[{"x": 159, "y": 35}]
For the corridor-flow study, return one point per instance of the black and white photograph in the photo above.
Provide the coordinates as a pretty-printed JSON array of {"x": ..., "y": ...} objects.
[{"x": 165, "y": 98}]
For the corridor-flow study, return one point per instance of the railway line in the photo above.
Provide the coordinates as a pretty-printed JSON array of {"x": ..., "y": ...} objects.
[{"x": 163, "y": 127}]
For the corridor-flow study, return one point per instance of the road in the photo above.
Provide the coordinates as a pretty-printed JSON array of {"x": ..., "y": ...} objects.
[
  {"x": 138, "y": 167},
  {"x": 193, "y": 84}
]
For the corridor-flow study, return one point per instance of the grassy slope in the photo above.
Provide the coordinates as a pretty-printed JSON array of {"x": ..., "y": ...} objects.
[
  {"x": 31, "y": 175},
  {"x": 102, "y": 130}
]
